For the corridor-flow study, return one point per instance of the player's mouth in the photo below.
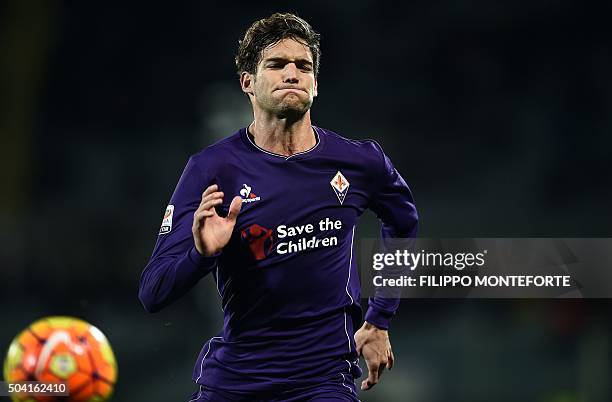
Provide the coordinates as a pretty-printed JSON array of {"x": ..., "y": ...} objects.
[{"x": 291, "y": 89}]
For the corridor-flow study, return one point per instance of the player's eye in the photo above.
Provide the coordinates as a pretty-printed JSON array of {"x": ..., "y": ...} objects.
[{"x": 305, "y": 67}]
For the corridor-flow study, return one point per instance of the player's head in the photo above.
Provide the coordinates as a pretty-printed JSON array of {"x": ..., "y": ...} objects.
[{"x": 278, "y": 63}]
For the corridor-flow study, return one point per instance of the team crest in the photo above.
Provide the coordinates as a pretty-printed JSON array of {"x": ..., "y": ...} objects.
[{"x": 340, "y": 186}]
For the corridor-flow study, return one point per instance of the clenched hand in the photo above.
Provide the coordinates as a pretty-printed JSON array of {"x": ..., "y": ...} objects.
[{"x": 373, "y": 344}]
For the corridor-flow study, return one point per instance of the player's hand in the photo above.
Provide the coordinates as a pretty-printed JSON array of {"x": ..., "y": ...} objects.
[
  {"x": 210, "y": 231},
  {"x": 373, "y": 344}
]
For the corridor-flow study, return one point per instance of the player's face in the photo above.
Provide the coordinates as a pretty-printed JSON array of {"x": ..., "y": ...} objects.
[{"x": 284, "y": 83}]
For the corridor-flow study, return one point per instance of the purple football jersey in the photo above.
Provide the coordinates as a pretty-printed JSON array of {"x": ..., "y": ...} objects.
[{"x": 288, "y": 278}]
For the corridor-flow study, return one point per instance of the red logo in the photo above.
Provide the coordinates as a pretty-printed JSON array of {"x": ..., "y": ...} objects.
[
  {"x": 339, "y": 182},
  {"x": 259, "y": 239}
]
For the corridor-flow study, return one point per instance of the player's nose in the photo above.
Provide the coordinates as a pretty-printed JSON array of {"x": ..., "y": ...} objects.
[{"x": 290, "y": 73}]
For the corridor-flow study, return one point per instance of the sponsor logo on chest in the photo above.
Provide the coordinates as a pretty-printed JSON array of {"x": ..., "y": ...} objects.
[{"x": 247, "y": 194}]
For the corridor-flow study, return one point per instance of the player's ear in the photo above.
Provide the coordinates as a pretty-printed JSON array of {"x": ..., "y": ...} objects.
[
  {"x": 246, "y": 82},
  {"x": 315, "y": 92}
]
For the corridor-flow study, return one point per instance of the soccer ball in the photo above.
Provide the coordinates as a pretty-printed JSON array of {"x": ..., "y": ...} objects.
[{"x": 62, "y": 349}]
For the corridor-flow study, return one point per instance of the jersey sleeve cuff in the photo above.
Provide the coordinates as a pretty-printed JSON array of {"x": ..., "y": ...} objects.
[
  {"x": 378, "y": 318},
  {"x": 204, "y": 264}
]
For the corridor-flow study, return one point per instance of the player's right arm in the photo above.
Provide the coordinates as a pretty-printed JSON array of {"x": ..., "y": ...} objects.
[{"x": 187, "y": 249}]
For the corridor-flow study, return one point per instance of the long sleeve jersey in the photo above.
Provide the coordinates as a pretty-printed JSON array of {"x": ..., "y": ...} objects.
[{"x": 288, "y": 278}]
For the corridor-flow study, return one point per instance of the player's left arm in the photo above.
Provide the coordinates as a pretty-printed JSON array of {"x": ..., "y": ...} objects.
[{"x": 393, "y": 203}]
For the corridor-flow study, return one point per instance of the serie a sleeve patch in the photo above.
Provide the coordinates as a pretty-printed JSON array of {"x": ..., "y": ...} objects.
[{"x": 166, "y": 225}]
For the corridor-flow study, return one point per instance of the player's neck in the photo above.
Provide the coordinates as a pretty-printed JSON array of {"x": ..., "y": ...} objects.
[{"x": 283, "y": 137}]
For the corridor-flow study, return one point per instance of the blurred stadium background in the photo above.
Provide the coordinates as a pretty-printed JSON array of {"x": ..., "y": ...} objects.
[{"x": 497, "y": 114}]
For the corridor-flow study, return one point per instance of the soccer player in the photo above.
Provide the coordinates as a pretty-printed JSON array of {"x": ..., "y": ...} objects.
[{"x": 270, "y": 212}]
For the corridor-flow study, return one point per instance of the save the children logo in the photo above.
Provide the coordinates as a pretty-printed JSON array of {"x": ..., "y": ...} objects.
[
  {"x": 259, "y": 240},
  {"x": 247, "y": 195},
  {"x": 340, "y": 185}
]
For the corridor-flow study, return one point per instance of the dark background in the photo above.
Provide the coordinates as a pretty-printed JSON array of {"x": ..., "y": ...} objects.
[{"x": 496, "y": 113}]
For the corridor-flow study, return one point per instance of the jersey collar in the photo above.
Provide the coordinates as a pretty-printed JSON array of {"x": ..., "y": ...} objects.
[{"x": 249, "y": 140}]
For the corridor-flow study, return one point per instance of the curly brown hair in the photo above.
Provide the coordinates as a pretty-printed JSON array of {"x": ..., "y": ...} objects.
[{"x": 269, "y": 31}]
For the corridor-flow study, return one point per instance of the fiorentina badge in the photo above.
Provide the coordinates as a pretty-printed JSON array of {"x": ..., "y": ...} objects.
[{"x": 340, "y": 186}]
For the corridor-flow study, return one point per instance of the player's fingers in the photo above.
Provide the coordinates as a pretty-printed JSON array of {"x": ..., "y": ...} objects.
[
  {"x": 210, "y": 204},
  {"x": 382, "y": 368},
  {"x": 199, "y": 216},
  {"x": 204, "y": 214},
  {"x": 367, "y": 384},
  {"x": 391, "y": 359},
  {"x": 212, "y": 196},
  {"x": 234, "y": 208},
  {"x": 209, "y": 190},
  {"x": 372, "y": 377}
]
